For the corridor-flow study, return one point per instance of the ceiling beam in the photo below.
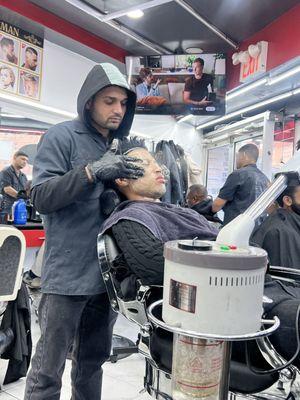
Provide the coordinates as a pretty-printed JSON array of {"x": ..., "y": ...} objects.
[
  {"x": 95, "y": 13},
  {"x": 143, "y": 6},
  {"x": 204, "y": 21}
]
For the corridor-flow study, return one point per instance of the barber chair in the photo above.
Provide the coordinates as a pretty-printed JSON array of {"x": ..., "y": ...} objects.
[
  {"x": 285, "y": 274},
  {"x": 155, "y": 344},
  {"x": 12, "y": 254}
]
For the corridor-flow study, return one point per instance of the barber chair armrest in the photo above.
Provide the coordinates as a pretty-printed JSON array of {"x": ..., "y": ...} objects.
[
  {"x": 284, "y": 273},
  {"x": 269, "y": 353},
  {"x": 147, "y": 293}
]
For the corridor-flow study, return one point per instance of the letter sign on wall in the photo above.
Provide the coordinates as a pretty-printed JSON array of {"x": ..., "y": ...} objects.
[{"x": 255, "y": 65}]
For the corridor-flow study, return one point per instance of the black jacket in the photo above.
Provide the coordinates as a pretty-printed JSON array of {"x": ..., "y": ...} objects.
[
  {"x": 279, "y": 235},
  {"x": 70, "y": 203},
  {"x": 205, "y": 208},
  {"x": 17, "y": 317},
  {"x": 174, "y": 190}
]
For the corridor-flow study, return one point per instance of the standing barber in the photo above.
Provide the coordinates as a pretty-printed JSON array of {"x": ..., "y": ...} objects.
[
  {"x": 243, "y": 186},
  {"x": 12, "y": 181},
  {"x": 72, "y": 162}
]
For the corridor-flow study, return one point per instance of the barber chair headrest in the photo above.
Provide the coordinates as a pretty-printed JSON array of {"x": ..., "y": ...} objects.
[
  {"x": 12, "y": 254},
  {"x": 111, "y": 248}
]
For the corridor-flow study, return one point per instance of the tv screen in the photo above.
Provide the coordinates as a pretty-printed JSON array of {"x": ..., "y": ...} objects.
[{"x": 178, "y": 84}]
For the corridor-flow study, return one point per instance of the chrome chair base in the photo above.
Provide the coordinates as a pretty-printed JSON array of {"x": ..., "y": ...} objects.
[{"x": 158, "y": 384}]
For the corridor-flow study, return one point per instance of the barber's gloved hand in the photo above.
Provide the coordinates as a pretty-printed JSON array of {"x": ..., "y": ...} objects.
[
  {"x": 111, "y": 167},
  {"x": 22, "y": 195}
]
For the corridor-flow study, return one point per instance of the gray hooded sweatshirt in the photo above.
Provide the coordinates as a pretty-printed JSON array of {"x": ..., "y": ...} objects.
[{"x": 68, "y": 201}]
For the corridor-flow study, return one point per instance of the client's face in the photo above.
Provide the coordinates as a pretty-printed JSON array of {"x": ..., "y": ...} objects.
[{"x": 151, "y": 186}]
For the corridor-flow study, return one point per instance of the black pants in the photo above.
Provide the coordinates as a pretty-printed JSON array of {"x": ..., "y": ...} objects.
[{"x": 86, "y": 322}]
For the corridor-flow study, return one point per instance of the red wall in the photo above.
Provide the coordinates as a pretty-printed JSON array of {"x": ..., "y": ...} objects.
[
  {"x": 58, "y": 24},
  {"x": 283, "y": 36}
]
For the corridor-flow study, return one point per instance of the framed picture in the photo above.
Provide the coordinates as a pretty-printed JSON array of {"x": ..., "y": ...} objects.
[
  {"x": 8, "y": 78},
  {"x": 30, "y": 58},
  {"x": 29, "y": 85},
  {"x": 9, "y": 49}
]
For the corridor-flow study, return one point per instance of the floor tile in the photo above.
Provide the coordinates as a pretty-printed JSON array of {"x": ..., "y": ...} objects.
[
  {"x": 17, "y": 391},
  {"x": 6, "y": 396}
]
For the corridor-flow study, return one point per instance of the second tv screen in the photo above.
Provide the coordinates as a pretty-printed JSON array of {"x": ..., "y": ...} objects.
[{"x": 178, "y": 84}]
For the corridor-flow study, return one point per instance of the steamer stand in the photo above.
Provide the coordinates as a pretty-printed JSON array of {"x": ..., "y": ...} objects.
[
  {"x": 213, "y": 295},
  {"x": 216, "y": 292}
]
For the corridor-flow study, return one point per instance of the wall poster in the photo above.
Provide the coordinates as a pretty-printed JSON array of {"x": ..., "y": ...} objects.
[
  {"x": 21, "y": 59},
  {"x": 217, "y": 169}
]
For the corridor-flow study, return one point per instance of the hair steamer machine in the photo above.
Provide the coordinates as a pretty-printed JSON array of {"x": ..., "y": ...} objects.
[{"x": 213, "y": 294}]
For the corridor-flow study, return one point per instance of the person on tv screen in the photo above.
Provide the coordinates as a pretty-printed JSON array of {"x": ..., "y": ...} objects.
[
  {"x": 8, "y": 50},
  {"x": 147, "y": 87},
  {"x": 31, "y": 59},
  {"x": 196, "y": 87}
]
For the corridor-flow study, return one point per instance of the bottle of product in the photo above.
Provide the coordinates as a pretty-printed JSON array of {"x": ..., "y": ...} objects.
[{"x": 19, "y": 212}]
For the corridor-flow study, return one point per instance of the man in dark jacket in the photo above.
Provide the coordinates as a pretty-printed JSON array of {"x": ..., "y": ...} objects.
[
  {"x": 12, "y": 181},
  {"x": 243, "y": 186},
  {"x": 72, "y": 162},
  {"x": 279, "y": 234}
]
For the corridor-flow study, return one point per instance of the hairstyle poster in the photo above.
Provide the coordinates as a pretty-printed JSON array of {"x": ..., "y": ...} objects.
[{"x": 21, "y": 59}]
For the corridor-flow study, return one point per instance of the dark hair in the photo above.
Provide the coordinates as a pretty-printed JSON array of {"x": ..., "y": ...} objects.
[
  {"x": 200, "y": 60},
  {"x": 20, "y": 153},
  {"x": 144, "y": 72},
  {"x": 289, "y": 191},
  {"x": 6, "y": 42},
  {"x": 198, "y": 189},
  {"x": 251, "y": 150},
  {"x": 127, "y": 144},
  {"x": 31, "y": 78},
  {"x": 31, "y": 50},
  {"x": 298, "y": 145}
]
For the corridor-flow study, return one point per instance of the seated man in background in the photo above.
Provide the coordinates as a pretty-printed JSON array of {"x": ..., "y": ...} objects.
[
  {"x": 142, "y": 224},
  {"x": 197, "y": 199},
  {"x": 279, "y": 234}
]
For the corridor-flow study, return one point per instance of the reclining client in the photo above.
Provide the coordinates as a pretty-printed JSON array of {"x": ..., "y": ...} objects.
[{"x": 141, "y": 224}]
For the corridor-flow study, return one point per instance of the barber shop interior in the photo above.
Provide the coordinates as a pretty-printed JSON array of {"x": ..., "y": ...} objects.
[{"x": 149, "y": 200}]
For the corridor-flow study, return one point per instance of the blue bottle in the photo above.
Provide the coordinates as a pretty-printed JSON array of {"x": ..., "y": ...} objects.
[{"x": 19, "y": 212}]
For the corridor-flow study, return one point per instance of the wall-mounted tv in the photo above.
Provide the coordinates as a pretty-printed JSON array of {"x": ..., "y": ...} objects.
[{"x": 178, "y": 84}]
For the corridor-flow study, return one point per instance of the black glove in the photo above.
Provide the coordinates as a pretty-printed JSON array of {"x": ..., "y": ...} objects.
[
  {"x": 22, "y": 195},
  {"x": 111, "y": 167}
]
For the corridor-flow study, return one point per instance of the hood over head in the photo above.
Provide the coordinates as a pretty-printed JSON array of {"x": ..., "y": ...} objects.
[{"x": 100, "y": 77}]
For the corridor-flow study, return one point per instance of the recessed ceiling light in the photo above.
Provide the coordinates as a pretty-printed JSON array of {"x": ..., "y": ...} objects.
[
  {"x": 135, "y": 14},
  {"x": 194, "y": 50}
]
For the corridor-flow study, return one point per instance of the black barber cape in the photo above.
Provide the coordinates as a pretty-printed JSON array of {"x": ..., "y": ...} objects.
[
  {"x": 279, "y": 235},
  {"x": 68, "y": 201},
  {"x": 17, "y": 317}
]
